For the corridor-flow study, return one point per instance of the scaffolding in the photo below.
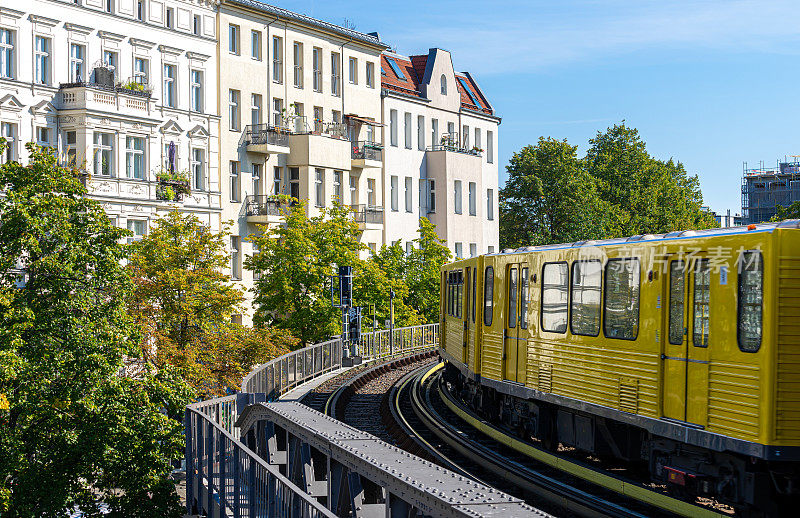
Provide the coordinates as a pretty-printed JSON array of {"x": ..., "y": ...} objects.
[{"x": 764, "y": 188}]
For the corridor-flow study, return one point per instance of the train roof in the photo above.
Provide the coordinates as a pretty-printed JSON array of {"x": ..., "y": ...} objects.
[{"x": 669, "y": 236}]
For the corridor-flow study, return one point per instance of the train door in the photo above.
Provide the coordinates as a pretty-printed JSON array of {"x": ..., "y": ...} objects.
[
  {"x": 685, "y": 353},
  {"x": 515, "y": 351},
  {"x": 467, "y": 297}
]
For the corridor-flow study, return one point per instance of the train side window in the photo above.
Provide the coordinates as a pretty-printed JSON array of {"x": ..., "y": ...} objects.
[
  {"x": 449, "y": 295},
  {"x": 523, "y": 310},
  {"x": 459, "y": 292},
  {"x": 555, "y": 296},
  {"x": 587, "y": 278},
  {"x": 701, "y": 303},
  {"x": 488, "y": 296},
  {"x": 751, "y": 293},
  {"x": 621, "y": 308},
  {"x": 512, "y": 298},
  {"x": 677, "y": 282},
  {"x": 474, "y": 292}
]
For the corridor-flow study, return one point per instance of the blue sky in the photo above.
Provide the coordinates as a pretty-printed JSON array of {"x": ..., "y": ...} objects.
[{"x": 712, "y": 83}]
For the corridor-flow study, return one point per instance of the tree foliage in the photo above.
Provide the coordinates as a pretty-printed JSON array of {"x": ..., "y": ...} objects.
[
  {"x": 790, "y": 212},
  {"x": 616, "y": 190},
  {"x": 76, "y": 432},
  {"x": 182, "y": 302}
]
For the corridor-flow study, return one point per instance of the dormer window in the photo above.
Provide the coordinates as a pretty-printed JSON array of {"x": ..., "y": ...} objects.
[{"x": 444, "y": 85}]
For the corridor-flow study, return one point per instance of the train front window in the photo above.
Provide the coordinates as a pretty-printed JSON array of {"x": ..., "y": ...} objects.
[
  {"x": 621, "y": 308},
  {"x": 555, "y": 296},
  {"x": 677, "y": 271},
  {"x": 751, "y": 299},
  {"x": 523, "y": 302},
  {"x": 512, "y": 298},
  {"x": 586, "y": 285},
  {"x": 702, "y": 299},
  {"x": 488, "y": 296}
]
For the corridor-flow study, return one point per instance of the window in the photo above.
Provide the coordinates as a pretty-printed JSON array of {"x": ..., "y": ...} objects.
[
  {"x": 197, "y": 27},
  {"x": 134, "y": 157},
  {"x": 465, "y": 137},
  {"x": 473, "y": 249},
  {"x": 71, "y": 138},
  {"x": 472, "y": 199},
  {"x": 394, "y": 187},
  {"x": 621, "y": 309},
  {"x": 677, "y": 273},
  {"x": 336, "y": 64},
  {"x": 317, "y": 59},
  {"x": 451, "y": 130},
  {"x": 555, "y": 294},
  {"x": 43, "y": 136},
  {"x": 170, "y": 99},
  {"x": 255, "y": 109},
  {"x": 490, "y": 250},
  {"x": 294, "y": 182},
  {"x": 176, "y": 157},
  {"x": 318, "y": 118},
  {"x": 9, "y": 132},
  {"x": 432, "y": 196},
  {"x": 393, "y": 127},
  {"x": 523, "y": 310},
  {"x": 408, "y": 130},
  {"x": 139, "y": 229},
  {"x": 197, "y": 90},
  {"x": 353, "y": 190},
  {"x": 109, "y": 6},
  {"x": 233, "y": 109},
  {"x": 457, "y": 196},
  {"x": 110, "y": 60},
  {"x": 434, "y": 132},
  {"x": 409, "y": 247},
  {"x": 276, "y": 180},
  {"x": 490, "y": 204},
  {"x": 701, "y": 303},
  {"x": 409, "y": 185},
  {"x": 234, "y": 180},
  {"x": 513, "y": 279},
  {"x": 488, "y": 296},
  {"x": 140, "y": 10},
  {"x": 255, "y": 45},
  {"x": 236, "y": 258},
  {"x": 370, "y": 74},
  {"x": 586, "y": 279},
  {"x": 233, "y": 38},
  {"x": 371, "y": 192},
  {"x": 7, "y": 53},
  {"x": 76, "y": 56},
  {"x": 474, "y": 292},
  {"x": 751, "y": 293},
  {"x": 443, "y": 82},
  {"x": 277, "y": 59},
  {"x": 319, "y": 185},
  {"x": 198, "y": 169},
  {"x": 170, "y": 17},
  {"x": 140, "y": 66},
  {"x": 421, "y": 132},
  {"x": 477, "y": 138},
  {"x": 256, "y": 179},
  {"x": 337, "y": 186},
  {"x": 104, "y": 154},
  {"x": 298, "y": 64},
  {"x": 42, "y": 60},
  {"x": 459, "y": 250},
  {"x": 490, "y": 147},
  {"x": 353, "y": 71}
]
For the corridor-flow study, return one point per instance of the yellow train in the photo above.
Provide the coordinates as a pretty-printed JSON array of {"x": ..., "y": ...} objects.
[{"x": 680, "y": 350}]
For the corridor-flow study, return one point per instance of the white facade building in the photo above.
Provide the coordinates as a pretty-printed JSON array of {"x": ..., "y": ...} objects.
[
  {"x": 440, "y": 157},
  {"x": 111, "y": 84}
]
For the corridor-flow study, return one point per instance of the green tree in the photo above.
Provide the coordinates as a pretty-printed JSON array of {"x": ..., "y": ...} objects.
[
  {"x": 376, "y": 278},
  {"x": 183, "y": 302},
  {"x": 550, "y": 198},
  {"x": 75, "y": 432},
  {"x": 423, "y": 271},
  {"x": 790, "y": 212}
]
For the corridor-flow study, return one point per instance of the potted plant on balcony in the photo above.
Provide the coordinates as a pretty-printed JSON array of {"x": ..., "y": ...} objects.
[
  {"x": 172, "y": 186},
  {"x": 476, "y": 150}
]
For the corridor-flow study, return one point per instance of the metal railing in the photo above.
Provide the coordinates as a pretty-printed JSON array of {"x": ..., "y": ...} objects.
[
  {"x": 367, "y": 151},
  {"x": 266, "y": 134},
  {"x": 146, "y": 92},
  {"x": 367, "y": 214},
  {"x": 223, "y": 476},
  {"x": 262, "y": 205},
  {"x": 455, "y": 147}
]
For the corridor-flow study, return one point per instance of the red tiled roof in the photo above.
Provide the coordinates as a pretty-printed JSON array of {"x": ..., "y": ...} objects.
[{"x": 466, "y": 100}]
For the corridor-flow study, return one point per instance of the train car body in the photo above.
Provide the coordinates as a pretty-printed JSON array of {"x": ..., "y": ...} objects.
[{"x": 681, "y": 350}]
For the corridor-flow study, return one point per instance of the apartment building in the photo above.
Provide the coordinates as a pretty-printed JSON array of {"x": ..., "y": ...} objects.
[
  {"x": 114, "y": 85},
  {"x": 440, "y": 156},
  {"x": 300, "y": 102}
]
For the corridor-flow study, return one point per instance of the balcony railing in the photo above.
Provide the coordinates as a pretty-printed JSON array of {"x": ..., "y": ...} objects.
[
  {"x": 367, "y": 151},
  {"x": 455, "y": 147},
  {"x": 128, "y": 88},
  {"x": 367, "y": 214},
  {"x": 266, "y": 134},
  {"x": 262, "y": 205}
]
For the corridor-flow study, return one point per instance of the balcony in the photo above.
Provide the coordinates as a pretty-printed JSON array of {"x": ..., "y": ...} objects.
[
  {"x": 367, "y": 217},
  {"x": 366, "y": 154},
  {"x": 266, "y": 139},
  {"x": 323, "y": 144},
  {"x": 263, "y": 210},
  {"x": 451, "y": 142}
]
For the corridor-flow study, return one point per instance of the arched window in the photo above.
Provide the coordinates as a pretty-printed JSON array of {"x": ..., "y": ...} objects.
[{"x": 444, "y": 85}]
